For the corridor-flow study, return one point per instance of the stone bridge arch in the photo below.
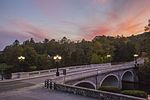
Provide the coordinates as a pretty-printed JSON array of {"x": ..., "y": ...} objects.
[
  {"x": 110, "y": 80},
  {"x": 127, "y": 78},
  {"x": 86, "y": 84},
  {"x": 127, "y": 75}
]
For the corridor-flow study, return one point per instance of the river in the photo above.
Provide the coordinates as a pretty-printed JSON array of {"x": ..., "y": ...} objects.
[{"x": 135, "y": 86}]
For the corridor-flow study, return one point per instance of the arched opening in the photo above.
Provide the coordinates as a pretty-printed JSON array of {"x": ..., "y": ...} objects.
[
  {"x": 128, "y": 76},
  {"x": 128, "y": 80},
  {"x": 110, "y": 80},
  {"x": 85, "y": 84}
]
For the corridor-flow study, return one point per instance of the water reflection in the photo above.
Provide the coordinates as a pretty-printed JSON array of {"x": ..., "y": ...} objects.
[{"x": 135, "y": 86}]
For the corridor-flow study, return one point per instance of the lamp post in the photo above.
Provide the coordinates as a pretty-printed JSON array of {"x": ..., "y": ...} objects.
[
  {"x": 2, "y": 75},
  {"x": 2, "y": 71},
  {"x": 48, "y": 56},
  {"x": 109, "y": 57},
  {"x": 21, "y": 58},
  {"x": 96, "y": 78},
  {"x": 135, "y": 59},
  {"x": 57, "y": 59},
  {"x": 48, "y": 59}
]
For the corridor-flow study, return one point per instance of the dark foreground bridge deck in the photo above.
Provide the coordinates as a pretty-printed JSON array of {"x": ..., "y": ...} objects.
[{"x": 38, "y": 93}]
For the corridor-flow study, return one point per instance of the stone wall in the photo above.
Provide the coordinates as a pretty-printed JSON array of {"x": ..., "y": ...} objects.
[{"x": 100, "y": 95}]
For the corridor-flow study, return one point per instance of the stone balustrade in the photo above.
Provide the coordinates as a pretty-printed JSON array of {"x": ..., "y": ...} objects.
[{"x": 51, "y": 71}]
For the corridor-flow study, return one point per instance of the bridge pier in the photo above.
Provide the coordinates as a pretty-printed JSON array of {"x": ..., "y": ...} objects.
[{"x": 120, "y": 84}]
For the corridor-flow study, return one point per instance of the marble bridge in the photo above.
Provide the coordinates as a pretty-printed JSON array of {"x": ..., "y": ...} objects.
[{"x": 110, "y": 75}]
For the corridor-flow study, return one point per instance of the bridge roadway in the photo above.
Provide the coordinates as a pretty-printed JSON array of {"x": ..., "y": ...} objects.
[{"x": 37, "y": 92}]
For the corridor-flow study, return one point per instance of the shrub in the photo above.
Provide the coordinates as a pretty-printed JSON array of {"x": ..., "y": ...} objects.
[
  {"x": 110, "y": 89},
  {"x": 136, "y": 93}
]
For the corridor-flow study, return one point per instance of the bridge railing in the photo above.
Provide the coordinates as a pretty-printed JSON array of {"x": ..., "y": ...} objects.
[
  {"x": 87, "y": 73},
  {"x": 101, "y": 95},
  {"x": 71, "y": 68},
  {"x": 50, "y": 71}
]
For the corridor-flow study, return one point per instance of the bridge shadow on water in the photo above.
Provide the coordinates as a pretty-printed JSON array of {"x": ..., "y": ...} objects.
[{"x": 86, "y": 85}]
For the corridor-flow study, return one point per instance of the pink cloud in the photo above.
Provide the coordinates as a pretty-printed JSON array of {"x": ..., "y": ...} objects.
[
  {"x": 101, "y": 1},
  {"x": 30, "y": 28},
  {"x": 7, "y": 37},
  {"x": 92, "y": 31},
  {"x": 5, "y": 33},
  {"x": 50, "y": 8}
]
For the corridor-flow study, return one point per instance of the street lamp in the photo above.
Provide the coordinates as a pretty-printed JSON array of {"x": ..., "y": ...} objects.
[
  {"x": 57, "y": 58},
  {"x": 135, "y": 58},
  {"x": 21, "y": 58},
  {"x": 96, "y": 78},
  {"x": 135, "y": 55},
  {"x": 2, "y": 71},
  {"x": 109, "y": 57}
]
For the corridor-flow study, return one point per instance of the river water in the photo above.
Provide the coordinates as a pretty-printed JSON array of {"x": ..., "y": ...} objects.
[{"x": 136, "y": 86}]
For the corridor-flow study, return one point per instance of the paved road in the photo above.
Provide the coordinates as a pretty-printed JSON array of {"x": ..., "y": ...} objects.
[{"x": 38, "y": 92}]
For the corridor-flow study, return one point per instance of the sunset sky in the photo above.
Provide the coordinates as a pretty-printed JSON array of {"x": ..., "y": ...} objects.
[{"x": 75, "y": 19}]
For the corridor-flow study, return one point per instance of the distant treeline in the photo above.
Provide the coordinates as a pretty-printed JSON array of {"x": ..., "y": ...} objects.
[{"x": 39, "y": 55}]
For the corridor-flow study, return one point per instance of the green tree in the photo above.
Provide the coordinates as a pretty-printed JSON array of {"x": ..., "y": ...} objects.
[
  {"x": 95, "y": 59},
  {"x": 30, "y": 57},
  {"x": 124, "y": 50},
  {"x": 11, "y": 54},
  {"x": 144, "y": 73},
  {"x": 4, "y": 70},
  {"x": 147, "y": 27},
  {"x": 16, "y": 43}
]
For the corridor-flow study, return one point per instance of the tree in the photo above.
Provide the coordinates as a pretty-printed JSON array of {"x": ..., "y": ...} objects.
[
  {"x": 27, "y": 42},
  {"x": 43, "y": 62},
  {"x": 32, "y": 41},
  {"x": 11, "y": 54},
  {"x": 95, "y": 59},
  {"x": 16, "y": 43},
  {"x": 144, "y": 73},
  {"x": 147, "y": 27},
  {"x": 124, "y": 50},
  {"x": 46, "y": 41},
  {"x": 4, "y": 70},
  {"x": 30, "y": 57}
]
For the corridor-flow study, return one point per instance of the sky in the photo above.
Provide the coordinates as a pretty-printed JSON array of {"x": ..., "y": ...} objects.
[{"x": 74, "y": 19}]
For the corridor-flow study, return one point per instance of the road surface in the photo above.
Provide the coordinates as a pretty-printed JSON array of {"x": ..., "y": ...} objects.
[{"x": 37, "y": 92}]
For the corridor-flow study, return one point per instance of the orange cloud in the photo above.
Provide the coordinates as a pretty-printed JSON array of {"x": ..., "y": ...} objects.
[
  {"x": 126, "y": 19},
  {"x": 91, "y": 32}
]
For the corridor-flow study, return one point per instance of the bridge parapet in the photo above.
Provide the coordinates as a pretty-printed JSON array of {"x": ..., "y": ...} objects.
[
  {"x": 51, "y": 71},
  {"x": 89, "y": 73},
  {"x": 71, "y": 69}
]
